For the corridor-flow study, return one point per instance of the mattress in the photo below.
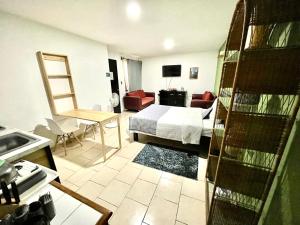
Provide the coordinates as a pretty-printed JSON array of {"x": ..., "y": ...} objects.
[{"x": 146, "y": 121}]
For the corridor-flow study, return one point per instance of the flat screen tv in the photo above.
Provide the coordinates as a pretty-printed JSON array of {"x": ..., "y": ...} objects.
[{"x": 171, "y": 71}]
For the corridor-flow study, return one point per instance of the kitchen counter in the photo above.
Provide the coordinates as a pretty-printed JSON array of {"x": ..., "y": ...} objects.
[
  {"x": 71, "y": 208},
  {"x": 23, "y": 151}
]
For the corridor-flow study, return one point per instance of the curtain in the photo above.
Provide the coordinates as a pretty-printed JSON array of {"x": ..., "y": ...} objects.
[
  {"x": 134, "y": 74},
  {"x": 125, "y": 72}
]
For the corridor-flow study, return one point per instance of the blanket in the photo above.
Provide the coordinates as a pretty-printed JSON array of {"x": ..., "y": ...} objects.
[{"x": 180, "y": 123}]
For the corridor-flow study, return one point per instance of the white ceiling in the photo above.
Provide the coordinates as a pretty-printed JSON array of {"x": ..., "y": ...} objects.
[{"x": 195, "y": 25}]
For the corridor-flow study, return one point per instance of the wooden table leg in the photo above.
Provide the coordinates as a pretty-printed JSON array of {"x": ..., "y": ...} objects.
[
  {"x": 102, "y": 141},
  {"x": 119, "y": 132}
]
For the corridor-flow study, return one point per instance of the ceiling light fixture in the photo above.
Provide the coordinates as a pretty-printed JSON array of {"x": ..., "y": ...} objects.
[
  {"x": 169, "y": 44},
  {"x": 133, "y": 10}
]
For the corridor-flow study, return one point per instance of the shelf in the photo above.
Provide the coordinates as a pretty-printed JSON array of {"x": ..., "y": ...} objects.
[
  {"x": 285, "y": 11},
  {"x": 236, "y": 28},
  {"x": 251, "y": 180},
  {"x": 58, "y": 76},
  {"x": 258, "y": 101},
  {"x": 231, "y": 57},
  {"x": 225, "y": 101},
  {"x": 212, "y": 167},
  {"x": 269, "y": 71},
  {"x": 229, "y": 69},
  {"x": 220, "y": 116},
  {"x": 255, "y": 131},
  {"x": 218, "y": 136},
  {"x": 231, "y": 214},
  {"x": 67, "y": 95}
]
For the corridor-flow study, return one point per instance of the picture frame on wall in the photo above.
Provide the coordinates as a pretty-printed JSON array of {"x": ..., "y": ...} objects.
[{"x": 194, "y": 72}]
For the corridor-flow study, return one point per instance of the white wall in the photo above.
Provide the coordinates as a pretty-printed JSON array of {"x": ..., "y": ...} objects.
[
  {"x": 152, "y": 79},
  {"x": 23, "y": 101}
]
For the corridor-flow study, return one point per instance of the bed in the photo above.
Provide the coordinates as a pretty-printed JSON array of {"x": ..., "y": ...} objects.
[{"x": 175, "y": 123}]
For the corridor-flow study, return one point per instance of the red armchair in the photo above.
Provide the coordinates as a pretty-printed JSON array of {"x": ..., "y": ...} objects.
[
  {"x": 138, "y": 100},
  {"x": 204, "y": 100}
]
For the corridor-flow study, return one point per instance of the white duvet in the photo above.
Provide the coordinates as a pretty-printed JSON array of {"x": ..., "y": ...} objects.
[{"x": 181, "y": 124}]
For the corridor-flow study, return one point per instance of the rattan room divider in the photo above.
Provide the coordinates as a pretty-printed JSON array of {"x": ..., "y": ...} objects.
[{"x": 257, "y": 106}]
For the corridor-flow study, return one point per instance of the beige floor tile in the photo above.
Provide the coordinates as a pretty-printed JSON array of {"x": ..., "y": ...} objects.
[
  {"x": 194, "y": 189},
  {"x": 128, "y": 174},
  {"x": 88, "y": 143},
  {"x": 69, "y": 185},
  {"x": 161, "y": 212},
  {"x": 191, "y": 211},
  {"x": 142, "y": 191},
  {"x": 172, "y": 177},
  {"x": 129, "y": 213},
  {"x": 115, "y": 192},
  {"x": 81, "y": 177},
  {"x": 104, "y": 176},
  {"x": 63, "y": 162},
  {"x": 179, "y": 223},
  {"x": 64, "y": 173},
  {"x": 151, "y": 175},
  {"x": 90, "y": 190},
  {"x": 129, "y": 151},
  {"x": 93, "y": 153},
  {"x": 116, "y": 163},
  {"x": 106, "y": 205},
  {"x": 79, "y": 160},
  {"x": 136, "y": 165},
  {"x": 168, "y": 190}
]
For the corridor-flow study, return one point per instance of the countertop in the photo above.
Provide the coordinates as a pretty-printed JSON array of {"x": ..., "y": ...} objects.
[{"x": 20, "y": 152}]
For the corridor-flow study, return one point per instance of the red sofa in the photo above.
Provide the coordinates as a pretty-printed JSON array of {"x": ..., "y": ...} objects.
[
  {"x": 204, "y": 100},
  {"x": 138, "y": 100}
]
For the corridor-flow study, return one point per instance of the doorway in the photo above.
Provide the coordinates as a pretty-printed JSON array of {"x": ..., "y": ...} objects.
[{"x": 114, "y": 82}]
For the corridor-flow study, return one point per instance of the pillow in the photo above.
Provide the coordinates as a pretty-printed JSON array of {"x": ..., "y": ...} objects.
[
  {"x": 207, "y": 96},
  {"x": 133, "y": 93},
  {"x": 142, "y": 93}
]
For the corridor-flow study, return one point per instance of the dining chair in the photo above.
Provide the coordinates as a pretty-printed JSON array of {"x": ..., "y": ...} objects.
[
  {"x": 62, "y": 132},
  {"x": 91, "y": 125}
]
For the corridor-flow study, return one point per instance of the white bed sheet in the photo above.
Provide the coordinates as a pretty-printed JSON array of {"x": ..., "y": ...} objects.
[{"x": 181, "y": 124}]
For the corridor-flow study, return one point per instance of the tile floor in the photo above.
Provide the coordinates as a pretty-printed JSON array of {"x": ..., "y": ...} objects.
[{"x": 134, "y": 193}]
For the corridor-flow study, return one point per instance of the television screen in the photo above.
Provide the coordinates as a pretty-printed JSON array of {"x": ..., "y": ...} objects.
[{"x": 171, "y": 71}]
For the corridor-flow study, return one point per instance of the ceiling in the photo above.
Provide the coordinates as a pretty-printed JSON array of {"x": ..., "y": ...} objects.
[{"x": 194, "y": 25}]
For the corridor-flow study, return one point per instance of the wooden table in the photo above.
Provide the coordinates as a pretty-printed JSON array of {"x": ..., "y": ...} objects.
[{"x": 100, "y": 117}]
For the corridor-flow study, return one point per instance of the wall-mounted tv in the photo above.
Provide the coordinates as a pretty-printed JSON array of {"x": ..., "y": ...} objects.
[{"x": 171, "y": 71}]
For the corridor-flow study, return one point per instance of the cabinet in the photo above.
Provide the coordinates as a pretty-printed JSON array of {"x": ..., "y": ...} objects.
[
  {"x": 258, "y": 102},
  {"x": 172, "y": 98}
]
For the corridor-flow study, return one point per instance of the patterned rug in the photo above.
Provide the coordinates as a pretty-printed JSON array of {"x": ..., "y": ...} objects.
[{"x": 168, "y": 160}]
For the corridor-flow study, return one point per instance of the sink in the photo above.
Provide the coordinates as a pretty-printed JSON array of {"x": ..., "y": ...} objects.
[{"x": 13, "y": 141}]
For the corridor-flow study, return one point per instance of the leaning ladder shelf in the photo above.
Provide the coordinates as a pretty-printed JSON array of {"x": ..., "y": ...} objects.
[
  {"x": 258, "y": 101},
  {"x": 42, "y": 58}
]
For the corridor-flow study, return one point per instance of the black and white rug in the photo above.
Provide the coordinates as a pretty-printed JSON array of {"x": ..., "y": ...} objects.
[{"x": 168, "y": 160}]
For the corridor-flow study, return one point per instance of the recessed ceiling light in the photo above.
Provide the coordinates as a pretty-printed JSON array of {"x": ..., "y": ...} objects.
[
  {"x": 169, "y": 44},
  {"x": 133, "y": 10}
]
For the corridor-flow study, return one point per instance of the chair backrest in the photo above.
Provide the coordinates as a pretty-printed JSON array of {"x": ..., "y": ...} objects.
[
  {"x": 54, "y": 127},
  {"x": 97, "y": 107}
]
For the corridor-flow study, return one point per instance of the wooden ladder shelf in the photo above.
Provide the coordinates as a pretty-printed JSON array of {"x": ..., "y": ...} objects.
[{"x": 42, "y": 58}]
